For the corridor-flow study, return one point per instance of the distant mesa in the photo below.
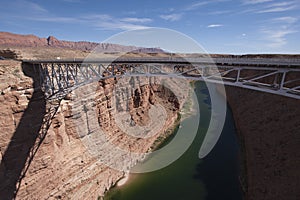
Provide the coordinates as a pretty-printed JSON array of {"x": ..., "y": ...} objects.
[
  {"x": 16, "y": 40},
  {"x": 8, "y": 41}
]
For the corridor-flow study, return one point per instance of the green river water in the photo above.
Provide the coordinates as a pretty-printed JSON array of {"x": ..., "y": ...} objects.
[{"x": 189, "y": 178}]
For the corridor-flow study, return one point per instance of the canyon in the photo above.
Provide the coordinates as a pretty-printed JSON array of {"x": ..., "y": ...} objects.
[
  {"x": 51, "y": 141},
  {"x": 63, "y": 166},
  {"x": 45, "y": 148}
]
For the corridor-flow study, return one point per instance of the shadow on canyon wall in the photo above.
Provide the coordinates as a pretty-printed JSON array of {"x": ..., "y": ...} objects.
[
  {"x": 220, "y": 170},
  {"x": 25, "y": 140}
]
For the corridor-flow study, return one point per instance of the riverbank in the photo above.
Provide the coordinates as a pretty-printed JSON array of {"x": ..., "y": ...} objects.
[
  {"x": 123, "y": 180},
  {"x": 164, "y": 138},
  {"x": 267, "y": 126},
  {"x": 269, "y": 143},
  {"x": 190, "y": 177}
]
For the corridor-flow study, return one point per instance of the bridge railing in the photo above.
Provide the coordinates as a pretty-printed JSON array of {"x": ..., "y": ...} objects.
[
  {"x": 280, "y": 62},
  {"x": 61, "y": 78}
]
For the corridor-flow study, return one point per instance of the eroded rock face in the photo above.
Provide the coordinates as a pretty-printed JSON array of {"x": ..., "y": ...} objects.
[
  {"x": 63, "y": 166},
  {"x": 268, "y": 128},
  {"x": 138, "y": 104},
  {"x": 10, "y": 54}
]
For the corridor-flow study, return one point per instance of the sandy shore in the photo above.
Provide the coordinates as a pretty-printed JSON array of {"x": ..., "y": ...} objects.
[{"x": 123, "y": 180}]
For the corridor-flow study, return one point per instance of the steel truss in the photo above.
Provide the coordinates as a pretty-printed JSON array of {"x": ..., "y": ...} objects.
[{"x": 58, "y": 79}]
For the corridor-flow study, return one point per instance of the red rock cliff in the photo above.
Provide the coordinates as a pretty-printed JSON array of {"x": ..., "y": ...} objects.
[{"x": 60, "y": 166}]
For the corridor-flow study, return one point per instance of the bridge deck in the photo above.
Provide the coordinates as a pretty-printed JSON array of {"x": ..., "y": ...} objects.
[
  {"x": 281, "y": 77},
  {"x": 275, "y": 62}
]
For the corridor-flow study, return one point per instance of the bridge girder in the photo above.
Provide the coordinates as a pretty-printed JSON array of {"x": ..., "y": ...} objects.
[{"x": 58, "y": 79}]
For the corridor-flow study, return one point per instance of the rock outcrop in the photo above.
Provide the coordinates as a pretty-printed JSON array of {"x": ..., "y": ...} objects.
[
  {"x": 10, "y": 54},
  {"x": 45, "y": 147}
]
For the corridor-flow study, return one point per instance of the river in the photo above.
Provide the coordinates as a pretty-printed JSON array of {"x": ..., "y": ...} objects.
[{"x": 189, "y": 178}]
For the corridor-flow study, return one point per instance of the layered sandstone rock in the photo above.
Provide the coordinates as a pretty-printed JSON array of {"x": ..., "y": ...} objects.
[{"x": 46, "y": 148}]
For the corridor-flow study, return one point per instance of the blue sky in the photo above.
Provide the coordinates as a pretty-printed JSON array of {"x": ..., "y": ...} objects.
[{"x": 220, "y": 26}]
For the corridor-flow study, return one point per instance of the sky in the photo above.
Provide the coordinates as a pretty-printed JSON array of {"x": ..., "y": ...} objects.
[{"x": 219, "y": 26}]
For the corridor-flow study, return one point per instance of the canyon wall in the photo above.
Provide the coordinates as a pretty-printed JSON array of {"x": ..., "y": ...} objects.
[
  {"x": 268, "y": 128},
  {"x": 49, "y": 149}
]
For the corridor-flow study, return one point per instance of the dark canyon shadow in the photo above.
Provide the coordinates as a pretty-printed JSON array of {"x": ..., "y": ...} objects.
[
  {"x": 219, "y": 169},
  {"x": 25, "y": 140}
]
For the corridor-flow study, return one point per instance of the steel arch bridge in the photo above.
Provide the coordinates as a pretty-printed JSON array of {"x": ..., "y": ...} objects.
[{"x": 276, "y": 76}]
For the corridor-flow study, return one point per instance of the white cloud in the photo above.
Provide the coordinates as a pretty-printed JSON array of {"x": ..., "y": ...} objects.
[
  {"x": 220, "y": 12},
  {"x": 256, "y": 1},
  {"x": 278, "y": 7},
  {"x": 29, "y": 6},
  {"x": 287, "y": 20},
  {"x": 171, "y": 9},
  {"x": 100, "y": 21},
  {"x": 97, "y": 17},
  {"x": 171, "y": 17},
  {"x": 136, "y": 20},
  {"x": 280, "y": 4},
  {"x": 36, "y": 7},
  {"x": 117, "y": 25},
  {"x": 200, "y": 4},
  {"x": 275, "y": 33},
  {"x": 129, "y": 12},
  {"x": 196, "y": 5},
  {"x": 107, "y": 22},
  {"x": 214, "y": 25},
  {"x": 277, "y": 38},
  {"x": 269, "y": 6},
  {"x": 55, "y": 19}
]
